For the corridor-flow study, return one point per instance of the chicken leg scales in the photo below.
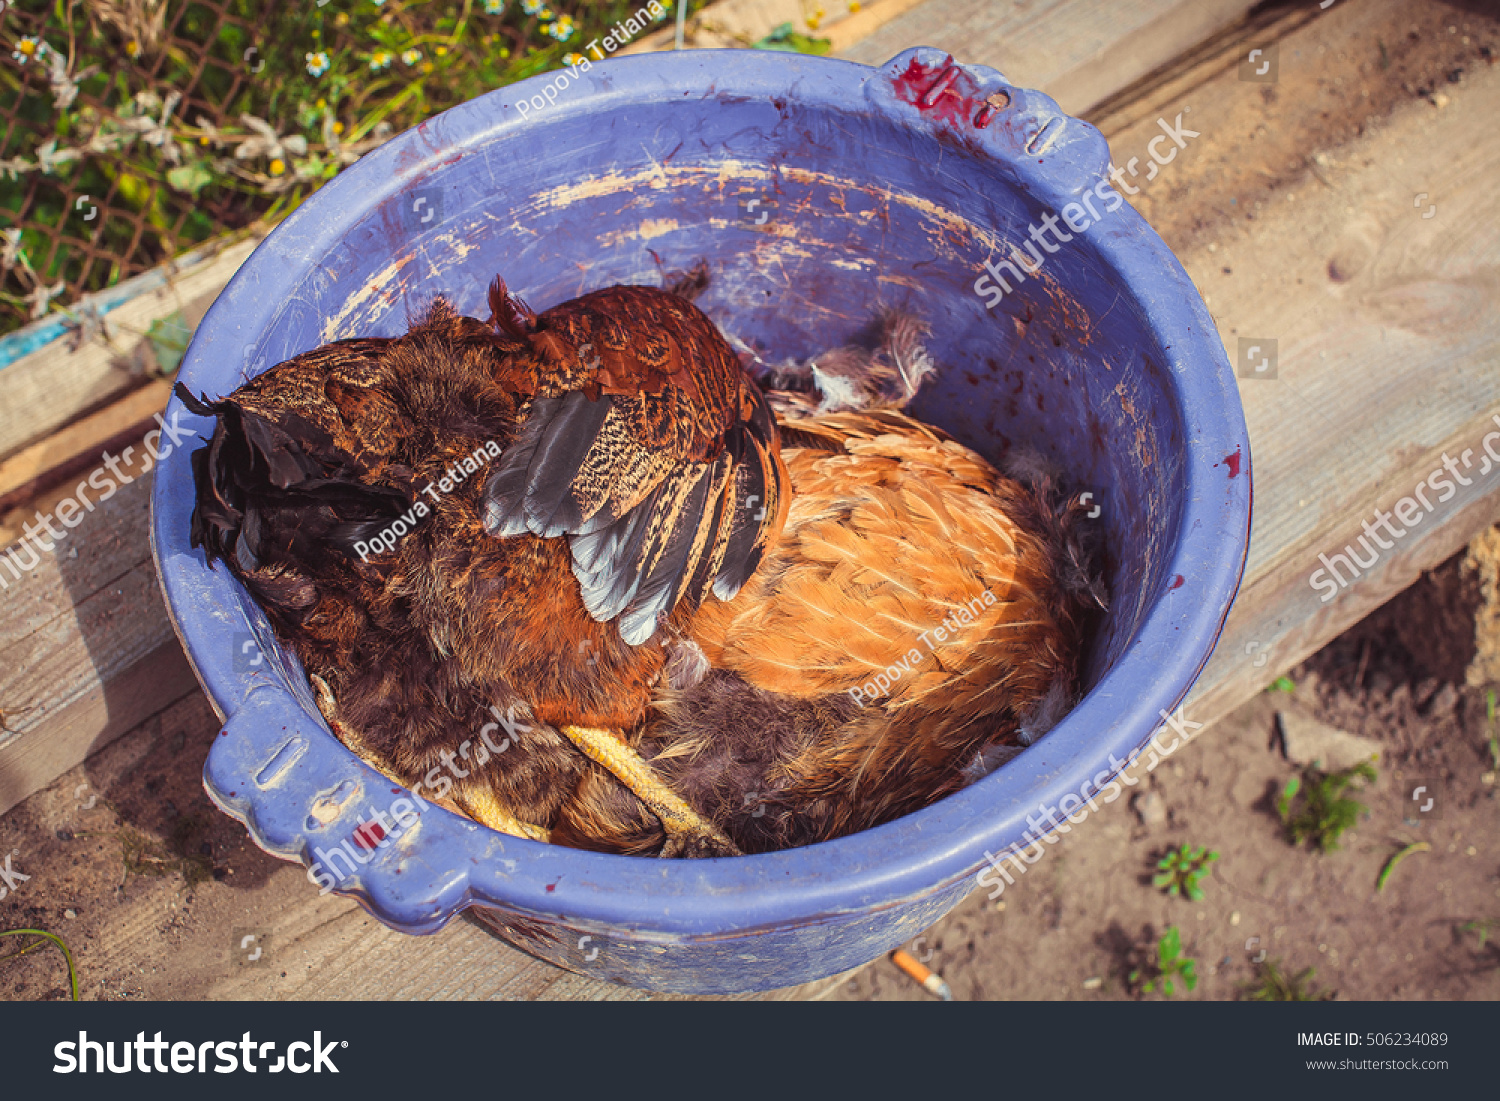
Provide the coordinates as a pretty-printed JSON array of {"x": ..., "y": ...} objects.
[
  {"x": 480, "y": 804},
  {"x": 688, "y": 833}
]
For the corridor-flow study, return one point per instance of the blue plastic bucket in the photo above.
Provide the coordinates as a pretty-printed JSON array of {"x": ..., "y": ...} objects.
[{"x": 815, "y": 189}]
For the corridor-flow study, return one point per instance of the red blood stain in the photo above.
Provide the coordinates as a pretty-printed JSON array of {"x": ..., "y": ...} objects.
[
  {"x": 369, "y": 835},
  {"x": 1177, "y": 581},
  {"x": 945, "y": 91},
  {"x": 1233, "y": 462}
]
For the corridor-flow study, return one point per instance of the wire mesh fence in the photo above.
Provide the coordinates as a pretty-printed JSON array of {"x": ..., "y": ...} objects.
[{"x": 135, "y": 129}]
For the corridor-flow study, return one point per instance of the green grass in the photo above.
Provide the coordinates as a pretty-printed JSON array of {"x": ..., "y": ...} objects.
[
  {"x": 46, "y": 938},
  {"x": 277, "y": 98},
  {"x": 1395, "y": 860},
  {"x": 1482, "y": 926},
  {"x": 785, "y": 38},
  {"x": 1168, "y": 968},
  {"x": 1276, "y": 986},
  {"x": 1182, "y": 869},
  {"x": 1313, "y": 807}
]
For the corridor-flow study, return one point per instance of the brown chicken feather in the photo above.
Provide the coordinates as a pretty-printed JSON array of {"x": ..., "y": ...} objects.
[
  {"x": 656, "y": 457},
  {"x": 631, "y": 445},
  {"x": 917, "y": 608}
]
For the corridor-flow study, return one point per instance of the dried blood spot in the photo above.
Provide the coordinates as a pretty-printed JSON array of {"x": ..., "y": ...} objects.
[{"x": 369, "y": 835}]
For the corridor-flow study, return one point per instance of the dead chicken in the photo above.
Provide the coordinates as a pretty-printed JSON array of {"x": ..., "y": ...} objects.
[
  {"x": 497, "y": 519},
  {"x": 588, "y": 512},
  {"x": 919, "y": 620}
]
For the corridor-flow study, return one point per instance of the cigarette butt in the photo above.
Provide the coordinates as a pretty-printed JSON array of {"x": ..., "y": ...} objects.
[{"x": 929, "y": 979}]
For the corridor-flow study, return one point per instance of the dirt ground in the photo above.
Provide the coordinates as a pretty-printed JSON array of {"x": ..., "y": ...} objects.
[
  {"x": 1080, "y": 920},
  {"x": 145, "y": 879},
  {"x": 128, "y": 860},
  {"x": 132, "y": 865}
]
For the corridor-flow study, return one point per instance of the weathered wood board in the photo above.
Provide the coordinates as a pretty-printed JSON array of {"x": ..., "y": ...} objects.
[
  {"x": 1376, "y": 271},
  {"x": 1077, "y": 51},
  {"x": 78, "y": 448},
  {"x": 1388, "y": 342},
  {"x": 54, "y": 385},
  {"x": 86, "y": 650}
]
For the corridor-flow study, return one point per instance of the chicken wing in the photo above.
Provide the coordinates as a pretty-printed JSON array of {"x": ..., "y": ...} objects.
[{"x": 920, "y": 619}]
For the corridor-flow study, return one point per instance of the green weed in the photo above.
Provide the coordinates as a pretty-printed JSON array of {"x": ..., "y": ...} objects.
[
  {"x": 1313, "y": 807},
  {"x": 1182, "y": 869},
  {"x": 1482, "y": 926},
  {"x": 1276, "y": 986},
  {"x": 1169, "y": 967}
]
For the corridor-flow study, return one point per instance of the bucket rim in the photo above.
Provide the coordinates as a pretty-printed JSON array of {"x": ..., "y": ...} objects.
[{"x": 411, "y": 889}]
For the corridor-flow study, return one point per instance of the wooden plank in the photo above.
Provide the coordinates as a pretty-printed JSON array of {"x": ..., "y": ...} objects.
[
  {"x": 732, "y": 24},
  {"x": 1384, "y": 319},
  {"x": 1077, "y": 51},
  {"x": 86, "y": 650},
  {"x": 331, "y": 949},
  {"x": 56, "y": 384},
  {"x": 80, "y": 445},
  {"x": 1220, "y": 51}
]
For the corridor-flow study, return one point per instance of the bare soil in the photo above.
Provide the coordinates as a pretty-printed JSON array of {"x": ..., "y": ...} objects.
[
  {"x": 1084, "y": 916},
  {"x": 136, "y": 870}
]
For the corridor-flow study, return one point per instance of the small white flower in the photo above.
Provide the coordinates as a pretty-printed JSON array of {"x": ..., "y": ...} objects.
[
  {"x": 49, "y": 157},
  {"x": 29, "y": 47}
]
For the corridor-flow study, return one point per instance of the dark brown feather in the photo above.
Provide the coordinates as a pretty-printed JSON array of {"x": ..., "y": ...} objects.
[
  {"x": 645, "y": 442},
  {"x": 425, "y": 642}
]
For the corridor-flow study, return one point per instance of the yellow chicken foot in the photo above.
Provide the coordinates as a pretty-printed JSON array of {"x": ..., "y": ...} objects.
[
  {"x": 477, "y": 800},
  {"x": 480, "y": 804},
  {"x": 688, "y": 833}
]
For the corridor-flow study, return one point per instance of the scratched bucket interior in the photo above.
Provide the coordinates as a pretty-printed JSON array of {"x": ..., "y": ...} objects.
[
  {"x": 808, "y": 218},
  {"x": 816, "y": 192}
]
